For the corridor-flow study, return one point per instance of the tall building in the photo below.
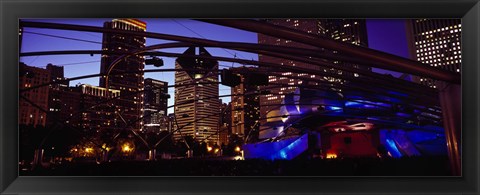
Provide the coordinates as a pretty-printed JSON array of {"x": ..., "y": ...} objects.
[
  {"x": 346, "y": 30},
  {"x": 127, "y": 75},
  {"x": 171, "y": 126},
  {"x": 436, "y": 42},
  {"x": 57, "y": 76},
  {"x": 155, "y": 103},
  {"x": 353, "y": 31},
  {"x": 196, "y": 96},
  {"x": 245, "y": 111},
  {"x": 225, "y": 123},
  {"x": 102, "y": 116},
  {"x": 57, "y": 91},
  {"x": 80, "y": 106},
  {"x": 63, "y": 104},
  {"x": 30, "y": 77}
]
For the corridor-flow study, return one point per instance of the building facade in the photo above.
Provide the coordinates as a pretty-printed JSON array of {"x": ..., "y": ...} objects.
[
  {"x": 245, "y": 107},
  {"x": 435, "y": 42},
  {"x": 225, "y": 123},
  {"x": 155, "y": 104},
  {"x": 96, "y": 115},
  {"x": 28, "y": 113},
  {"x": 196, "y": 96},
  {"x": 64, "y": 104},
  {"x": 345, "y": 30},
  {"x": 127, "y": 74},
  {"x": 57, "y": 103}
]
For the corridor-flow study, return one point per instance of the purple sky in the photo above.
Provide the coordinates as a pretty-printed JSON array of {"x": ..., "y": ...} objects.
[
  {"x": 386, "y": 35},
  {"x": 389, "y": 36}
]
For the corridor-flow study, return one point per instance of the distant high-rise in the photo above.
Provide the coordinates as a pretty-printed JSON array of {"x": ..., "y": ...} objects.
[
  {"x": 127, "y": 75},
  {"x": 57, "y": 76},
  {"x": 352, "y": 31},
  {"x": 196, "y": 96},
  {"x": 225, "y": 122},
  {"x": 245, "y": 107},
  {"x": 436, "y": 42},
  {"x": 345, "y": 30},
  {"x": 155, "y": 103}
]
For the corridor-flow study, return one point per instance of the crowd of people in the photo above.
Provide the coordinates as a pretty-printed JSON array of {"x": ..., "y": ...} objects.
[{"x": 405, "y": 166}]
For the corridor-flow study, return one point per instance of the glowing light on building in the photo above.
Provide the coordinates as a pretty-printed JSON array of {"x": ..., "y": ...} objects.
[{"x": 331, "y": 155}]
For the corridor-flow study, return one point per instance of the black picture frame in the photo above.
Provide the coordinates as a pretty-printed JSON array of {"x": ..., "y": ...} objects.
[{"x": 11, "y": 11}]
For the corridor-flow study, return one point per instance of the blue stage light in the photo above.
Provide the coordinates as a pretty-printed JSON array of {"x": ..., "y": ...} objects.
[{"x": 393, "y": 148}]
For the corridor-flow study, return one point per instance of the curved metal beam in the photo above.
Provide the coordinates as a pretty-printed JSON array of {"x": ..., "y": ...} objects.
[
  {"x": 392, "y": 83},
  {"x": 377, "y": 58}
]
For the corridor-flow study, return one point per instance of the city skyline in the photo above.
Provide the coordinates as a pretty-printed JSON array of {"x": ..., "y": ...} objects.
[
  {"x": 386, "y": 35},
  {"x": 331, "y": 102}
]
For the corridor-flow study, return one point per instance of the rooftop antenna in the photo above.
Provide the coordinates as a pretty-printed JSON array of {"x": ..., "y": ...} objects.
[{"x": 234, "y": 57}]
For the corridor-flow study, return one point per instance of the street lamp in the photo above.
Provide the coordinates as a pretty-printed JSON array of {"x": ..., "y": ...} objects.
[
  {"x": 126, "y": 148},
  {"x": 237, "y": 149}
]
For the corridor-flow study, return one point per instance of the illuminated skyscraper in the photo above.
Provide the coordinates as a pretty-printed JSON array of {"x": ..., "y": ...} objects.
[
  {"x": 353, "y": 31},
  {"x": 155, "y": 103},
  {"x": 346, "y": 30},
  {"x": 436, "y": 42},
  {"x": 245, "y": 111},
  {"x": 196, "y": 96},
  {"x": 127, "y": 75}
]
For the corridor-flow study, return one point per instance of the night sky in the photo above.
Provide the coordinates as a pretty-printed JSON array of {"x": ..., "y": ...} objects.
[{"x": 386, "y": 35}]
